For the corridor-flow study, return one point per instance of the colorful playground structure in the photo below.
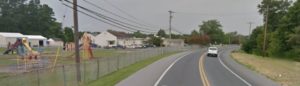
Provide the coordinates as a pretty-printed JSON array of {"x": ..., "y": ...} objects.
[{"x": 28, "y": 56}]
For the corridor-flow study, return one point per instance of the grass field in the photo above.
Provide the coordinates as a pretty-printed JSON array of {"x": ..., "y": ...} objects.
[
  {"x": 115, "y": 77},
  {"x": 64, "y": 57},
  {"x": 286, "y": 72}
]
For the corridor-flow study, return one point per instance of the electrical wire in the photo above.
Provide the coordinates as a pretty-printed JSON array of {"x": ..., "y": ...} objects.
[
  {"x": 117, "y": 22},
  {"x": 115, "y": 14},
  {"x": 111, "y": 19},
  {"x": 114, "y": 6},
  {"x": 99, "y": 19}
]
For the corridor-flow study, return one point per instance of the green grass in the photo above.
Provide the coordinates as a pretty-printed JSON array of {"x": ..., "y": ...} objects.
[
  {"x": 284, "y": 71},
  {"x": 115, "y": 77},
  {"x": 2, "y": 50}
]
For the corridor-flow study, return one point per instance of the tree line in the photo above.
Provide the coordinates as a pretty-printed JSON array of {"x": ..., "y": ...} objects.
[
  {"x": 282, "y": 19},
  {"x": 30, "y": 17},
  {"x": 210, "y": 32}
]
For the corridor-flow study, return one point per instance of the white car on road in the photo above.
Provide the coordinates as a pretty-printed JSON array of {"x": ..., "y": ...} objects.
[{"x": 212, "y": 51}]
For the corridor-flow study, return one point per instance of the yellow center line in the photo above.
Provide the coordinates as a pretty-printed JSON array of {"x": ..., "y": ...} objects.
[{"x": 202, "y": 71}]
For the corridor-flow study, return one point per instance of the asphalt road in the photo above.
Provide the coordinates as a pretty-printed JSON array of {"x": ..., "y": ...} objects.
[
  {"x": 185, "y": 72},
  {"x": 191, "y": 70}
]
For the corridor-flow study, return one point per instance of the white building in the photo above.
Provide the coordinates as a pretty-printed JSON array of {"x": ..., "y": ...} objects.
[
  {"x": 106, "y": 39},
  {"x": 36, "y": 40},
  {"x": 55, "y": 42},
  {"x": 111, "y": 38},
  {"x": 7, "y": 37},
  {"x": 173, "y": 42}
]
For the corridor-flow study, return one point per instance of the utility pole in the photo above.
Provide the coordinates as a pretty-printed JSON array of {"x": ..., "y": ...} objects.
[
  {"x": 250, "y": 23},
  {"x": 265, "y": 32},
  {"x": 77, "y": 58},
  {"x": 170, "y": 24}
]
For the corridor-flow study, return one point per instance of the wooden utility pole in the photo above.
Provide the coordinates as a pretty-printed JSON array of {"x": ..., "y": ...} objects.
[
  {"x": 170, "y": 24},
  {"x": 250, "y": 23},
  {"x": 76, "y": 37},
  {"x": 265, "y": 32}
]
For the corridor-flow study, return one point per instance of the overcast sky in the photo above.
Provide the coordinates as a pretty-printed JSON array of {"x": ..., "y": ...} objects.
[{"x": 234, "y": 15}]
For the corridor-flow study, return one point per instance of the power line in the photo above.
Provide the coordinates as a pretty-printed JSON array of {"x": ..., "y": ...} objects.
[
  {"x": 99, "y": 19},
  {"x": 110, "y": 19},
  {"x": 114, "y": 6},
  {"x": 106, "y": 17},
  {"x": 115, "y": 14}
]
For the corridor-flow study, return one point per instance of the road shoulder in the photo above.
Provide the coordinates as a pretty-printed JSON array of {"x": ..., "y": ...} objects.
[
  {"x": 255, "y": 79},
  {"x": 149, "y": 75}
]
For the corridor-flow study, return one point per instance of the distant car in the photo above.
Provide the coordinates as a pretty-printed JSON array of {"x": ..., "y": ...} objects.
[{"x": 212, "y": 51}]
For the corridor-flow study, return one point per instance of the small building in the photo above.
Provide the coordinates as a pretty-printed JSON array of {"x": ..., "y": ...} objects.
[
  {"x": 106, "y": 39},
  {"x": 36, "y": 40},
  {"x": 131, "y": 42},
  {"x": 55, "y": 42},
  {"x": 173, "y": 42},
  {"x": 115, "y": 38},
  {"x": 8, "y": 37}
]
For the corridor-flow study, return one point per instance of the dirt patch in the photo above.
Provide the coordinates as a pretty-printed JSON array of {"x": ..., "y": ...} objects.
[{"x": 286, "y": 72}]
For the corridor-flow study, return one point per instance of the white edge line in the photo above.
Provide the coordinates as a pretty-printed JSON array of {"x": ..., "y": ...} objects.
[
  {"x": 170, "y": 66},
  {"x": 233, "y": 72}
]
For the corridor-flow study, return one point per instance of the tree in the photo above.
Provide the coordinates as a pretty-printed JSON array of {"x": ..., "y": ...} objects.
[
  {"x": 251, "y": 45},
  {"x": 195, "y": 33},
  {"x": 69, "y": 34},
  {"x": 28, "y": 17},
  {"x": 277, "y": 10},
  {"x": 212, "y": 28},
  {"x": 161, "y": 33},
  {"x": 294, "y": 41},
  {"x": 157, "y": 41},
  {"x": 138, "y": 34}
]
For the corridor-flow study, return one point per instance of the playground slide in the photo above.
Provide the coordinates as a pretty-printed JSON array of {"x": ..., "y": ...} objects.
[
  {"x": 14, "y": 46},
  {"x": 7, "y": 51},
  {"x": 27, "y": 46}
]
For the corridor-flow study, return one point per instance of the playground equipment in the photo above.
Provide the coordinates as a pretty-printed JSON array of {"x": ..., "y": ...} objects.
[
  {"x": 86, "y": 46},
  {"x": 24, "y": 51}
]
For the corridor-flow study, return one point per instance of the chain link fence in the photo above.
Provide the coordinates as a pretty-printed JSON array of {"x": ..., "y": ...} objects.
[{"x": 65, "y": 74}]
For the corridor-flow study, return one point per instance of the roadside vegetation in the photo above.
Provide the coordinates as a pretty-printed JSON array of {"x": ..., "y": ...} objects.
[
  {"x": 283, "y": 30},
  {"x": 115, "y": 77},
  {"x": 284, "y": 71}
]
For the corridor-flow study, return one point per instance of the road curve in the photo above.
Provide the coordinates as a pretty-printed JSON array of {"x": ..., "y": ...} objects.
[
  {"x": 185, "y": 72},
  {"x": 218, "y": 71}
]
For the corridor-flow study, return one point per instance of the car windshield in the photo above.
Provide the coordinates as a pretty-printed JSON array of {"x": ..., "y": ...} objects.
[{"x": 212, "y": 48}]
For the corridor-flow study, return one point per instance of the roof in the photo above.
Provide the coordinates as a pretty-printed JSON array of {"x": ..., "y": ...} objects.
[
  {"x": 39, "y": 37},
  {"x": 119, "y": 34},
  {"x": 54, "y": 39},
  {"x": 9, "y": 34}
]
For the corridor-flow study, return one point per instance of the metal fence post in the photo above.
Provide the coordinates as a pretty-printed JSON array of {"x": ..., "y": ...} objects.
[
  {"x": 108, "y": 65},
  {"x": 64, "y": 75},
  {"x": 118, "y": 62},
  {"x": 98, "y": 68},
  {"x": 38, "y": 78},
  {"x": 84, "y": 72}
]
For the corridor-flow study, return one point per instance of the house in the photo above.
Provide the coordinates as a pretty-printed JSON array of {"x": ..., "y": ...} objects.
[
  {"x": 116, "y": 38},
  {"x": 131, "y": 42},
  {"x": 106, "y": 39},
  {"x": 173, "y": 42},
  {"x": 36, "y": 40},
  {"x": 55, "y": 42},
  {"x": 9, "y": 38}
]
